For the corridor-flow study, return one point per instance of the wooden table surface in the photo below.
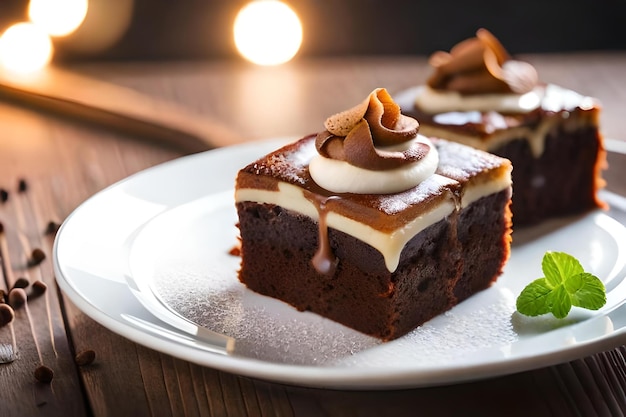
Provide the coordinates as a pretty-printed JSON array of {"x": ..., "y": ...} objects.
[{"x": 50, "y": 164}]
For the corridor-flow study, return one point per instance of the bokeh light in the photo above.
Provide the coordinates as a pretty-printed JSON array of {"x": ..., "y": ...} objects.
[
  {"x": 58, "y": 17},
  {"x": 267, "y": 32},
  {"x": 25, "y": 48},
  {"x": 106, "y": 22}
]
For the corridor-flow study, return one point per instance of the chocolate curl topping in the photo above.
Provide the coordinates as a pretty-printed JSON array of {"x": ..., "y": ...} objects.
[
  {"x": 481, "y": 65},
  {"x": 354, "y": 135}
]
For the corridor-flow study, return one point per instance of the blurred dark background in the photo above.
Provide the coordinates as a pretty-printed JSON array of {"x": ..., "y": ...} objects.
[{"x": 200, "y": 29}]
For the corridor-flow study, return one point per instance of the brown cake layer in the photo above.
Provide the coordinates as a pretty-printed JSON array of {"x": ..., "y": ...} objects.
[
  {"x": 441, "y": 266},
  {"x": 563, "y": 181}
]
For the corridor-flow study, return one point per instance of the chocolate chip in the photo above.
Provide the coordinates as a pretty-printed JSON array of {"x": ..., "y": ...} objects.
[
  {"x": 1, "y": 227},
  {"x": 22, "y": 186},
  {"x": 44, "y": 374},
  {"x": 21, "y": 283},
  {"x": 6, "y": 314},
  {"x": 38, "y": 288},
  {"x": 4, "y": 195},
  {"x": 36, "y": 257},
  {"x": 3, "y": 297},
  {"x": 17, "y": 298},
  {"x": 84, "y": 358},
  {"x": 52, "y": 228}
]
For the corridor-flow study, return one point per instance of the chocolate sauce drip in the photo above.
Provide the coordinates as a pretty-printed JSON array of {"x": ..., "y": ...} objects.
[
  {"x": 454, "y": 242},
  {"x": 324, "y": 260}
]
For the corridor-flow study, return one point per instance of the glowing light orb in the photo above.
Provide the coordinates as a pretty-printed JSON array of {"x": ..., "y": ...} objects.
[
  {"x": 25, "y": 48},
  {"x": 267, "y": 32},
  {"x": 58, "y": 17}
]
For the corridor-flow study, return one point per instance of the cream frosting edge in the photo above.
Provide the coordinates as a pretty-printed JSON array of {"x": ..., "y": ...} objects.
[
  {"x": 341, "y": 177},
  {"x": 391, "y": 244}
]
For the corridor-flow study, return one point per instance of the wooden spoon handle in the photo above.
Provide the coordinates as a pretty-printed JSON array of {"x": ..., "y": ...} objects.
[{"x": 113, "y": 106}]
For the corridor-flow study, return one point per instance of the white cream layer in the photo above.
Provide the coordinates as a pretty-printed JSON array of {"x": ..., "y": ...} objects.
[
  {"x": 551, "y": 97},
  {"x": 341, "y": 177},
  {"x": 436, "y": 101},
  {"x": 390, "y": 244}
]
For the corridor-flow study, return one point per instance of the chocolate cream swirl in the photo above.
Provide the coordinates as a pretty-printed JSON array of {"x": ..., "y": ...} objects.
[
  {"x": 354, "y": 135},
  {"x": 372, "y": 148},
  {"x": 481, "y": 65}
]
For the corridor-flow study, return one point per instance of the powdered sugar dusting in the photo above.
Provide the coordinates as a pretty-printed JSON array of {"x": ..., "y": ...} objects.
[
  {"x": 264, "y": 328},
  {"x": 289, "y": 167},
  {"x": 452, "y": 337}
]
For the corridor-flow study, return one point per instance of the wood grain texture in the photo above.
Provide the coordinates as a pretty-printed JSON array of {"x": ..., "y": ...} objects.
[
  {"x": 65, "y": 162},
  {"x": 114, "y": 107}
]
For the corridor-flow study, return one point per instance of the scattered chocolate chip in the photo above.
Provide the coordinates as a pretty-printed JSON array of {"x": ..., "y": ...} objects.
[
  {"x": 36, "y": 257},
  {"x": 22, "y": 186},
  {"x": 6, "y": 314},
  {"x": 38, "y": 288},
  {"x": 44, "y": 374},
  {"x": 2, "y": 296},
  {"x": 52, "y": 228},
  {"x": 235, "y": 251},
  {"x": 84, "y": 358},
  {"x": 4, "y": 195},
  {"x": 17, "y": 298},
  {"x": 21, "y": 283},
  {"x": 1, "y": 227}
]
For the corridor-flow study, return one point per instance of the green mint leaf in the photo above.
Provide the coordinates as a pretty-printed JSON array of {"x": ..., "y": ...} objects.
[
  {"x": 535, "y": 299},
  {"x": 586, "y": 291},
  {"x": 561, "y": 302},
  {"x": 565, "y": 284},
  {"x": 558, "y": 266}
]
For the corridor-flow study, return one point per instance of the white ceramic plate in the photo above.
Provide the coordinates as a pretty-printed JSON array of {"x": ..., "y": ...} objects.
[{"x": 152, "y": 251}]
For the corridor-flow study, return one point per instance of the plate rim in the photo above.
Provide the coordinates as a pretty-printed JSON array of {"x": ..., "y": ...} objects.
[{"x": 338, "y": 377}]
